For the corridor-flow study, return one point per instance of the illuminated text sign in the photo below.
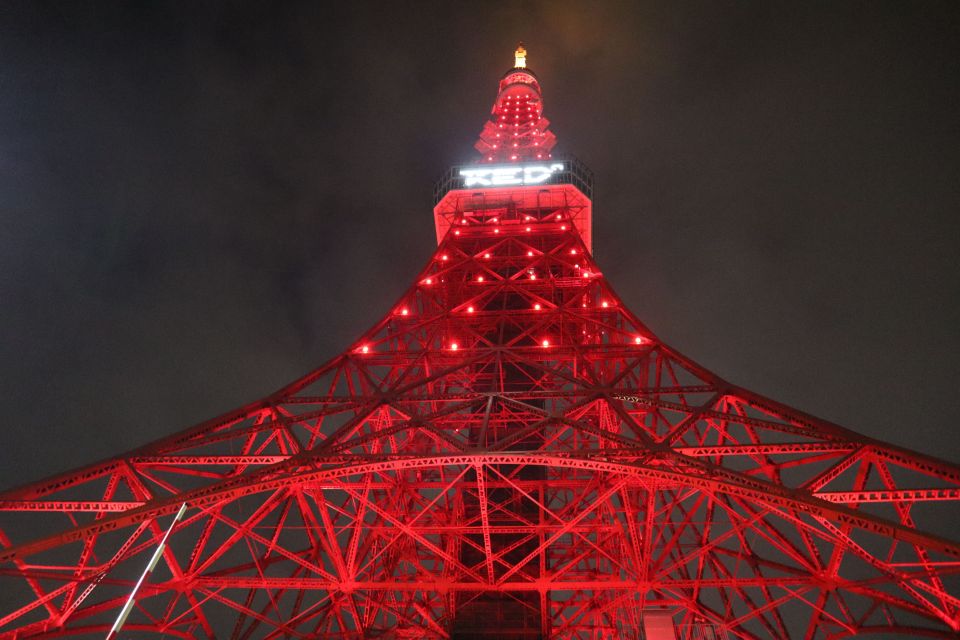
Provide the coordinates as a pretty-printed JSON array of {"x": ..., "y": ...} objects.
[{"x": 505, "y": 175}]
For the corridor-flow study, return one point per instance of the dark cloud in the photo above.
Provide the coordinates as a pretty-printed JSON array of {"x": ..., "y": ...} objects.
[{"x": 200, "y": 202}]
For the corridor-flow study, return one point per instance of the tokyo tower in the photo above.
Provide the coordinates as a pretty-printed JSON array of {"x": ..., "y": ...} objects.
[{"x": 509, "y": 453}]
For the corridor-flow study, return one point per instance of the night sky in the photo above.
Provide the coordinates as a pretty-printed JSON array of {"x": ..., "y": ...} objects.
[{"x": 200, "y": 202}]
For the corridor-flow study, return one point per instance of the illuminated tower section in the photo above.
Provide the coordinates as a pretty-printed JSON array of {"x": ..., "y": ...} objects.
[
  {"x": 512, "y": 208},
  {"x": 516, "y": 169},
  {"x": 507, "y": 453},
  {"x": 517, "y": 130}
]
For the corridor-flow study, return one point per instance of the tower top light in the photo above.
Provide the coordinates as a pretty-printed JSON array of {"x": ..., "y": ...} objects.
[{"x": 520, "y": 57}]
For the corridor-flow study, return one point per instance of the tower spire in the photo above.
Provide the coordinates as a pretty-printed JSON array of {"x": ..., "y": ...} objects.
[
  {"x": 517, "y": 130},
  {"x": 520, "y": 57}
]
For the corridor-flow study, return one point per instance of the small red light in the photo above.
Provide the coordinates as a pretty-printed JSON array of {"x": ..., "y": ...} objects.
[
  {"x": 545, "y": 343},
  {"x": 529, "y": 254},
  {"x": 536, "y": 307},
  {"x": 428, "y": 281},
  {"x": 604, "y": 304},
  {"x": 364, "y": 349},
  {"x": 454, "y": 346},
  {"x": 573, "y": 252},
  {"x": 487, "y": 256},
  {"x": 469, "y": 309},
  {"x": 479, "y": 278},
  {"x": 444, "y": 257},
  {"x": 405, "y": 312},
  {"x": 638, "y": 340}
]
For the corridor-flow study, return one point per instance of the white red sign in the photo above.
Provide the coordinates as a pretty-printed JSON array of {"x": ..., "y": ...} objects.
[{"x": 509, "y": 174}]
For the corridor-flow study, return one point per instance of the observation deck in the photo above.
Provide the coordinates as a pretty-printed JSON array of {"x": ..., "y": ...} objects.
[{"x": 515, "y": 192}]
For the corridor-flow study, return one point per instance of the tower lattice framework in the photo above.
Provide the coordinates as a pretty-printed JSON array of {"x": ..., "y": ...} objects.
[{"x": 509, "y": 453}]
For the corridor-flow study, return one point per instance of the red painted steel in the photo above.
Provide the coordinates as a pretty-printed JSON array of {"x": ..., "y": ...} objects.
[
  {"x": 509, "y": 453},
  {"x": 517, "y": 130}
]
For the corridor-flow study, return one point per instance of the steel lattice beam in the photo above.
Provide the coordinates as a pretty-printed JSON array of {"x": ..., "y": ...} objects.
[{"x": 510, "y": 442}]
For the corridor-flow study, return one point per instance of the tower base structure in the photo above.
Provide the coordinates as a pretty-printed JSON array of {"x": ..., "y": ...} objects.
[{"x": 508, "y": 453}]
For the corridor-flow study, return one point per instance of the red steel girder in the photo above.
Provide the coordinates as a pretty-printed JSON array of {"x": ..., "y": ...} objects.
[{"x": 510, "y": 442}]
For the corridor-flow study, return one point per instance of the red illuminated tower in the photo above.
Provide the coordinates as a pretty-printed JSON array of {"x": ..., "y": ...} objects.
[
  {"x": 517, "y": 130},
  {"x": 509, "y": 453}
]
